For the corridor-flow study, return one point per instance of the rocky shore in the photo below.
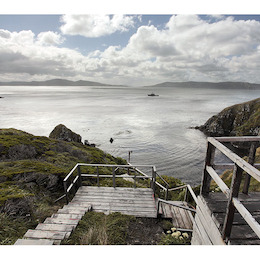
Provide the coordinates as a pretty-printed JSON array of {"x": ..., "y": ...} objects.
[{"x": 237, "y": 120}]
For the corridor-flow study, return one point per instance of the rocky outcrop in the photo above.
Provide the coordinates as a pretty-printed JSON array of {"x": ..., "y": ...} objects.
[
  {"x": 61, "y": 132},
  {"x": 238, "y": 120}
]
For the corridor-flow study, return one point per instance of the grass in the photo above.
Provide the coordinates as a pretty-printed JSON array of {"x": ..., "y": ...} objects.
[{"x": 96, "y": 228}]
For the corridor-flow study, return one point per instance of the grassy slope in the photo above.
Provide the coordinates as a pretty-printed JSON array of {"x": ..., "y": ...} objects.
[{"x": 31, "y": 172}]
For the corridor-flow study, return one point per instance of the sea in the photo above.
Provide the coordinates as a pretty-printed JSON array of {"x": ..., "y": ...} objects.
[{"x": 157, "y": 130}]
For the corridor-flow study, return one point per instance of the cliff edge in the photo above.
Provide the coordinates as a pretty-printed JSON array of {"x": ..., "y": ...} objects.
[{"x": 237, "y": 120}]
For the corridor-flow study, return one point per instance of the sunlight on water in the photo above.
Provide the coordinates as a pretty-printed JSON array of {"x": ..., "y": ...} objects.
[{"x": 156, "y": 129}]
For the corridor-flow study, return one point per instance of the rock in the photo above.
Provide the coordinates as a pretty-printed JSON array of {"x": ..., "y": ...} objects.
[
  {"x": 61, "y": 132},
  {"x": 238, "y": 120}
]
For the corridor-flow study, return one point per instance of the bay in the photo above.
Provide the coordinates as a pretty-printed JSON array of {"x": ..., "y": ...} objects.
[{"x": 155, "y": 129}]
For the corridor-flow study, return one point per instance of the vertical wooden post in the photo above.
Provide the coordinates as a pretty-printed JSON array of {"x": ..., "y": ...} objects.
[
  {"x": 251, "y": 160},
  {"x": 234, "y": 191},
  {"x": 79, "y": 174},
  {"x": 65, "y": 189},
  {"x": 166, "y": 192},
  {"x": 185, "y": 195},
  {"x": 97, "y": 177},
  {"x": 114, "y": 179},
  {"x": 206, "y": 179},
  {"x": 153, "y": 180},
  {"x": 135, "y": 180}
]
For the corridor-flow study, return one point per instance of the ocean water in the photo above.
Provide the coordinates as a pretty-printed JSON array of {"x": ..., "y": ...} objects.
[{"x": 155, "y": 129}]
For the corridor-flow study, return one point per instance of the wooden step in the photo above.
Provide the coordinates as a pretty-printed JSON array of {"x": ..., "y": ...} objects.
[
  {"x": 42, "y": 234},
  {"x": 71, "y": 211},
  {"x": 54, "y": 227},
  {"x": 66, "y": 216},
  {"x": 72, "y": 222},
  {"x": 31, "y": 242}
]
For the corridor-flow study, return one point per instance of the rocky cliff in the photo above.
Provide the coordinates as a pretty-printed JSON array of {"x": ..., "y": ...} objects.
[{"x": 238, "y": 120}]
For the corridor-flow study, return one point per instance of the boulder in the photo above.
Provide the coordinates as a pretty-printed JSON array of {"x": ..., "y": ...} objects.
[{"x": 61, "y": 132}]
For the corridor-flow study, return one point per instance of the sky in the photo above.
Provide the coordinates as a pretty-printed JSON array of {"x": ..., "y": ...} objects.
[{"x": 130, "y": 49}]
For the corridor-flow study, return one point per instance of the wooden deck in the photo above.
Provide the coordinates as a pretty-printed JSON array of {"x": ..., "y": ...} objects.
[
  {"x": 211, "y": 211},
  {"x": 241, "y": 233},
  {"x": 137, "y": 202},
  {"x": 181, "y": 219}
]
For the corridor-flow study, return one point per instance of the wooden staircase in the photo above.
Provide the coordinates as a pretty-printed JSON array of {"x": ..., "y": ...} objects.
[{"x": 55, "y": 228}]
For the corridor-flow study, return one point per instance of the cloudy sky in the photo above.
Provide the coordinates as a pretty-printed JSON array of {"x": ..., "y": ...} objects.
[{"x": 130, "y": 49}]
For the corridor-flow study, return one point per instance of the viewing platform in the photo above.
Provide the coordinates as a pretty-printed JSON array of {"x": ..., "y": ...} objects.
[{"x": 229, "y": 217}]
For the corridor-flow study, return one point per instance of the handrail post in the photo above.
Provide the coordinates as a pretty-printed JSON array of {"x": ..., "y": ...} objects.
[
  {"x": 114, "y": 179},
  {"x": 251, "y": 160},
  {"x": 153, "y": 179},
  {"x": 65, "y": 189},
  {"x": 234, "y": 191},
  {"x": 166, "y": 192},
  {"x": 206, "y": 176},
  {"x": 79, "y": 174},
  {"x": 185, "y": 195},
  {"x": 135, "y": 180},
  {"x": 97, "y": 177}
]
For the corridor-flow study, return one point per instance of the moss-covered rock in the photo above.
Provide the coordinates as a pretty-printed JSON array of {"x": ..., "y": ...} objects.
[
  {"x": 238, "y": 120},
  {"x": 61, "y": 132}
]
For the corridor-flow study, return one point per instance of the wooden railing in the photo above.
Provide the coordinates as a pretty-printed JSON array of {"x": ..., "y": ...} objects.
[
  {"x": 187, "y": 188},
  {"x": 239, "y": 165},
  {"x": 73, "y": 181}
]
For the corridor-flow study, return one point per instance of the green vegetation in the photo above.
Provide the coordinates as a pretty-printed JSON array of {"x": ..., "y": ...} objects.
[
  {"x": 32, "y": 169},
  {"x": 96, "y": 228},
  {"x": 175, "y": 237}
]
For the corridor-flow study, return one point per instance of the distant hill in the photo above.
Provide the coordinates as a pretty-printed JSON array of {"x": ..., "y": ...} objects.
[
  {"x": 54, "y": 82},
  {"x": 218, "y": 85}
]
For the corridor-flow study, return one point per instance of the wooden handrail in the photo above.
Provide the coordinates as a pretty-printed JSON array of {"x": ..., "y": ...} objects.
[{"x": 239, "y": 166}]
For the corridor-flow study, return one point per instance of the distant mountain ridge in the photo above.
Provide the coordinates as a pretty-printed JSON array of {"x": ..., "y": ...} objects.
[
  {"x": 54, "y": 82},
  {"x": 219, "y": 85}
]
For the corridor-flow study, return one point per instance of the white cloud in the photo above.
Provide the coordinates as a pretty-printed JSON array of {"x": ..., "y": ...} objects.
[
  {"x": 95, "y": 25},
  {"x": 187, "y": 48},
  {"x": 49, "y": 38}
]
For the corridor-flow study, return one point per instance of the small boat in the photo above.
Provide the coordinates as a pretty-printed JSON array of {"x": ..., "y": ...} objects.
[{"x": 152, "y": 95}]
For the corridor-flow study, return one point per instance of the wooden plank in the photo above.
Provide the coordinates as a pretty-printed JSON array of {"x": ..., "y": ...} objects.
[
  {"x": 209, "y": 225},
  {"x": 71, "y": 211},
  {"x": 238, "y": 139},
  {"x": 122, "y": 203},
  {"x": 206, "y": 179},
  {"x": 31, "y": 242},
  {"x": 247, "y": 216},
  {"x": 66, "y": 216},
  {"x": 224, "y": 188},
  {"x": 236, "y": 159},
  {"x": 54, "y": 227},
  {"x": 196, "y": 236},
  {"x": 203, "y": 234},
  {"x": 132, "y": 213},
  {"x": 114, "y": 189},
  {"x": 42, "y": 234},
  {"x": 230, "y": 211},
  {"x": 73, "y": 222},
  {"x": 115, "y": 197}
]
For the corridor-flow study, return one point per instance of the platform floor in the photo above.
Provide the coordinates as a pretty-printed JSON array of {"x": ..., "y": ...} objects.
[
  {"x": 241, "y": 233},
  {"x": 137, "y": 202}
]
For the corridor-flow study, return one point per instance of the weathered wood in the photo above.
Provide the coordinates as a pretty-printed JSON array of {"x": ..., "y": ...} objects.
[
  {"x": 42, "y": 234},
  {"x": 234, "y": 190},
  {"x": 251, "y": 160},
  {"x": 207, "y": 222},
  {"x": 79, "y": 174},
  {"x": 224, "y": 188},
  {"x": 208, "y": 161},
  {"x": 238, "y": 139},
  {"x": 247, "y": 216},
  {"x": 30, "y": 242},
  {"x": 73, "y": 222},
  {"x": 236, "y": 159},
  {"x": 54, "y": 227}
]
